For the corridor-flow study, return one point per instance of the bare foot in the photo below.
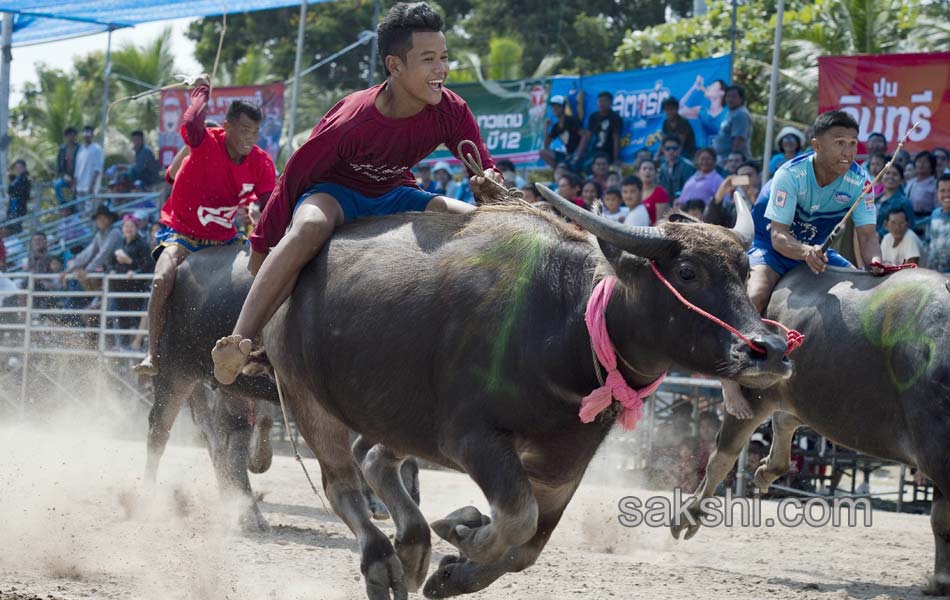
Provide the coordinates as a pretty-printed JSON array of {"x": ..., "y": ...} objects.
[
  {"x": 146, "y": 367},
  {"x": 735, "y": 402},
  {"x": 229, "y": 355}
]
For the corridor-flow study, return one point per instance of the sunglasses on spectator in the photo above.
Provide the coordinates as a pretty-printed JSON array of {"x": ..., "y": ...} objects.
[{"x": 671, "y": 147}]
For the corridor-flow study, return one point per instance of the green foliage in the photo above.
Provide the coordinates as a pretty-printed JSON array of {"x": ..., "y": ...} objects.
[
  {"x": 504, "y": 58},
  {"x": 138, "y": 68}
]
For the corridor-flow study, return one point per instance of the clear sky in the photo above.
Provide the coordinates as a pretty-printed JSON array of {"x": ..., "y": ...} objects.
[{"x": 61, "y": 54}]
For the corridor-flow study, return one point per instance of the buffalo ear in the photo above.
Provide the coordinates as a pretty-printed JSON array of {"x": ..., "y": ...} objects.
[{"x": 623, "y": 263}]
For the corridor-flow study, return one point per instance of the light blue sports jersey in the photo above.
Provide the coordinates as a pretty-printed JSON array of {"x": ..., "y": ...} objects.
[{"x": 810, "y": 211}]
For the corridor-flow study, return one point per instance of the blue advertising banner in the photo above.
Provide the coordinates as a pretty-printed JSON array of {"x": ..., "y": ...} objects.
[{"x": 699, "y": 85}]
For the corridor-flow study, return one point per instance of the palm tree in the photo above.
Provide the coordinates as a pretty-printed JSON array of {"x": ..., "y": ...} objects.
[
  {"x": 253, "y": 69},
  {"x": 139, "y": 68}
]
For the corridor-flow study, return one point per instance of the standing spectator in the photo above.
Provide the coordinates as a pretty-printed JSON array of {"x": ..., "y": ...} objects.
[
  {"x": 900, "y": 245},
  {"x": 424, "y": 180},
  {"x": 567, "y": 130},
  {"x": 600, "y": 169},
  {"x": 938, "y": 252},
  {"x": 642, "y": 155},
  {"x": 876, "y": 144},
  {"x": 604, "y": 127},
  {"x": 736, "y": 129},
  {"x": 678, "y": 127},
  {"x": 98, "y": 255},
  {"x": 788, "y": 144},
  {"x": 18, "y": 193},
  {"x": 922, "y": 190},
  {"x": 710, "y": 119},
  {"x": 875, "y": 163},
  {"x": 675, "y": 170},
  {"x": 89, "y": 160},
  {"x": 943, "y": 166},
  {"x": 655, "y": 198},
  {"x": 66, "y": 165},
  {"x": 132, "y": 256},
  {"x": 702, "y": 184},
  {"x": 144, "y": 172},
  {"x": 892, "y": 198},
  {"x": 631, "y": 192},
  {"x": 569, "y": 186}
]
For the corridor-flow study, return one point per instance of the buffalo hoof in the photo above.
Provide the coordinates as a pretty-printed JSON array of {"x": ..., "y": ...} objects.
[
  {"x": 472, "y": 533},
  {"x": 937, "y": 586},
  {"x": 415, "y": 562},
  {"x": 450, "y": 579},
  {"x": 763, "y": 479},
  {"x": 384, "y": 576},
  {"x": 687, "y": 520},
  {"x": 252, "y": 521}
]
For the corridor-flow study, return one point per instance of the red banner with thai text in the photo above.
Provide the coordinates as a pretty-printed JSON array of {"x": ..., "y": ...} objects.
[
  {"x": 174, "y": 103},
  {"x": 889, "y": 93}
]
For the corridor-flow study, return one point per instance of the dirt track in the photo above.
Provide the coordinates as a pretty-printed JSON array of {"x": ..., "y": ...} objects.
[{"x": 74, "y": 523}]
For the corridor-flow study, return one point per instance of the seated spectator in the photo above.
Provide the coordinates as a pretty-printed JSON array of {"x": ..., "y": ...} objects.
[
  {"x": 943, "y": 164},
  {"x": 722, "y": 210},
  {"x": 599, "y": 169},
  {"x": 900, "y": 245},
  {"x": 788, "y": 144},
  {"x": 18, "y": 193},
  {"x": 676, "y": 126},
  {"x": 655, "y": 198},
  {"x": 604, "y": 128},
  {"x": 531, "y": 195},
  {"x": 66, "y": 165},
  {"x": 144, "y": 171},
  {"x": 874, "y": 164},
  {"x": 424, "y": 179},
  {"x": 631, "y": 192},
  {"x": 39, "y": 257},
  {"x": 614, "y": 178},
  {"x": 694, "y": 208},
  {"x": 675, "y": 169},
  {"x": 559, "y": 171},
  {"x": 876, "y": 144},
  {"x": 702, "y": 184},
  {"x": 892, "y": 197},
  {"x": 511, "y": 177},
  {"x": 567, "y": 131},
  {"x": 938, "y": 250},
  {"x": 98, "y": 255},
  {"x": 591, "y": 193},
  {"x": 442, "y": 179},
  {"x": 922, "y": 189},
  {"x": 569, "y": 186},
  {"x": 613, "y": 205}
]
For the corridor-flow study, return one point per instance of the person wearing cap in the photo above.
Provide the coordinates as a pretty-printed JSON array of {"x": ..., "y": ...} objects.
[
  {"x": 789, "y": 143},
  {"x": 358, "y": 164},
  {"x": 99, "y": 253},
  {"x": 442, "y": 178},
  {"x": 568, "y": 130}
]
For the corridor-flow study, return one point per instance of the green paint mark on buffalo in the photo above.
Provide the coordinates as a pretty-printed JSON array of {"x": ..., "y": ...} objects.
[
  {"x": 515, "y": 262},
  {"x": 897, "y": 325}
]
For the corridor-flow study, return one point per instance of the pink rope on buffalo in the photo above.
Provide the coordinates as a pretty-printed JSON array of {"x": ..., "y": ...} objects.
[
  {"x": 615, "y": 386},
  {"x": 793, "y": 338}
]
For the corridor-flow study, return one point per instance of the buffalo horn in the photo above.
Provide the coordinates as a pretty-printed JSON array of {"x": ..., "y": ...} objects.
[
  {"x": 745, "y": 228},
  {"x": 647, "y": 242}
]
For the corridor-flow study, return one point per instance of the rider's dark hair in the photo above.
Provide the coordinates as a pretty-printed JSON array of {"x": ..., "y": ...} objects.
[
  {"x": 834, "y": 118},
  {"x": 240, "y": 107},
  {"x": 394, "y": 33}
]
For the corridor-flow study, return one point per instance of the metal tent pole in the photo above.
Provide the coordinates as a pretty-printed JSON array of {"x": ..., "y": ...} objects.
[
  {"x": 371, "y": 77},
  {"x": 292, "y": 123},
  {"x": 105, "y": 88},
  {"x": 6, "y": 41},
  {"x": 773, "y": 89}
]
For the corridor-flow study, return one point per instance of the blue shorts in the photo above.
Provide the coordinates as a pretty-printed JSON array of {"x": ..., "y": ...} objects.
[
  {"x": 357, "y": 206},
  {"x": 167, "y": 236},
  {"x": 782, "y": 264}
]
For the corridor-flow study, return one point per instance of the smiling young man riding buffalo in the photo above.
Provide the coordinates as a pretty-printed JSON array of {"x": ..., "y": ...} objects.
[
  {"x": 809, "y": 195},
  {"x": 357, "y": 163}
]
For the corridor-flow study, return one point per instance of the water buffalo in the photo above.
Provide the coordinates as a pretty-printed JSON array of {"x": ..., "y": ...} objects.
[
  {"x": 873, "y": 375},
  {"x": 209, "y": 290},
  {"x": 461, "y": 339}
]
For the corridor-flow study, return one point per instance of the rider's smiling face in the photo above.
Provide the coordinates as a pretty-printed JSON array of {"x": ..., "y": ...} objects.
[
  {"x": 425, "y": 69},
  {"x": 836, "y": 148}
]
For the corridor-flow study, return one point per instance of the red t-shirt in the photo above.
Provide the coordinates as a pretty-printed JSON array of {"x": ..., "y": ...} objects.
[
  {"x": 659, "y": 196},
  {"x": 358, "y": 147},
  {"x": 209, "y": 188}
]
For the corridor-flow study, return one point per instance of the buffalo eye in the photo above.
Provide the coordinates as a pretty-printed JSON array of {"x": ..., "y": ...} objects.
[{"x": 687, "y": 274}]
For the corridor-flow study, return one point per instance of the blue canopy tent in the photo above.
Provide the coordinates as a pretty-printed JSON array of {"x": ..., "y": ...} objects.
[{"x": 27, "y": 22}]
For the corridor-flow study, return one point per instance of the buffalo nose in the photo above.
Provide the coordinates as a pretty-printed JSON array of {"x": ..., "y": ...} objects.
[{"x": 773, "y": 345}]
